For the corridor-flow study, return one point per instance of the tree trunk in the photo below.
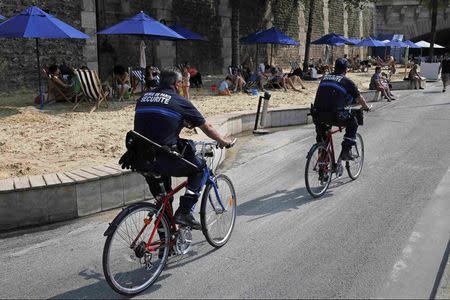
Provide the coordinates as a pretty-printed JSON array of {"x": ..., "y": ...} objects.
[
  {"x": 434, "y": 11},
  {"x": 308, "y": 35},
  {"x": 235, "y": 55}
]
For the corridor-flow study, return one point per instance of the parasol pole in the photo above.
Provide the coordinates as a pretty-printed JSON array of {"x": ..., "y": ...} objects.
[
  {"x": 406, "y": 60},
  {"x": 271, "y": 53},
  {"x": 41, "y": 97}
]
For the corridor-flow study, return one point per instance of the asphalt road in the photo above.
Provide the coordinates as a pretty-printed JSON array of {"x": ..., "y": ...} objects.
[{"x": 383, "y": 235}]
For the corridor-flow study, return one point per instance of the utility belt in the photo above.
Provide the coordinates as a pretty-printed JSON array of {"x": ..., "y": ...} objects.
[
  {"x": 340, "y": 117},
  {"x": 142, "y": 152}
]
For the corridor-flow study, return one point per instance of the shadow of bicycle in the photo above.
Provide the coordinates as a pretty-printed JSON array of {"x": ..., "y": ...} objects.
[
  {"x": 285, "y": 200},
  {"x": 100, "y": 289}
]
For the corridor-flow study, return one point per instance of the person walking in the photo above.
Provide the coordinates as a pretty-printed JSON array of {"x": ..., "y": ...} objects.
[{"x": 445, "y": 68}]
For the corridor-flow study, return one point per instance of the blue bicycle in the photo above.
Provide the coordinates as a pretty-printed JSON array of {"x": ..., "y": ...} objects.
[{"x": 142, "y": 235}]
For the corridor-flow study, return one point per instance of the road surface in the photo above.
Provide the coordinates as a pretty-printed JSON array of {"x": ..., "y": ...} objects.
[{"x": 383, "y": 235}]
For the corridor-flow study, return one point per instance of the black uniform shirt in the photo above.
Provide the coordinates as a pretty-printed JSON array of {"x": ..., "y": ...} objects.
[
  {"x": 161, "y": 114},
  {"x": 335, "y": 92}
]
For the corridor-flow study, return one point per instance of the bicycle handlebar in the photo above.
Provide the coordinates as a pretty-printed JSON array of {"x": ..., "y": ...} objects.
[{"x": 215, "y": 144}]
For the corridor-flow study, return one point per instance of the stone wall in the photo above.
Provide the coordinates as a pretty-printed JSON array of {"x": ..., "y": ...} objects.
[
  {"x": 18, "y": 56},
  {"x": 211, "y": 18},
  {"x": 120, "y": 49}
]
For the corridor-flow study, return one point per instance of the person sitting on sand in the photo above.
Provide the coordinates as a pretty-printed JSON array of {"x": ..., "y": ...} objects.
[
  {"x": 277, "y": 77},
  {"x": 122, "y": 81},
  {"x": 151, "y": 77},
  {"x": 59, "y": 89},
  {"x": 237, "y": 78},
  {"x": 224, "y": 87},
  {"x": 312, "y": 74}
]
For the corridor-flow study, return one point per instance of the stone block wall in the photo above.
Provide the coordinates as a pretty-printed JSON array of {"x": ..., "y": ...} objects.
[
  {"x": 285, "y": 17},
  {"x": 211, "y": 18},
  {"x": 18, "y": 63},
  {"x": 337, "y": 20},
  {"x": 120, "y": 49}
]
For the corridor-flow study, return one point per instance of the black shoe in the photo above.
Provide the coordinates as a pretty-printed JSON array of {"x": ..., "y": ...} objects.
[
  {"x": 187, "y": 220},
  {"x": 346, "y": 155},
  {"x": 443, "y": 90}
]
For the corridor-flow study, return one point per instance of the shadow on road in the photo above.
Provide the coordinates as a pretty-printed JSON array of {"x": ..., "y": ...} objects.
[
  {"x": 284, "y": 200},
  {"x": 101, "y": 289}
]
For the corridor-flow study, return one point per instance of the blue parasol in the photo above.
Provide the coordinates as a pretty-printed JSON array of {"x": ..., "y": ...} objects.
[
  {"x": 35, "y": 23},
  {"x": 370, "y": 42},
  {"x": 273, "y": 36},
  {"x": 187, "y": 34},
  {"x": 142, "y": 24},
  {"x": 332, "y": 39}
]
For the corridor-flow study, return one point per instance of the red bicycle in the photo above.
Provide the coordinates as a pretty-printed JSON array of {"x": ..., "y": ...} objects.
[
  {"x": 321, "y": 161},
  {"x": 142, "y": 235}
]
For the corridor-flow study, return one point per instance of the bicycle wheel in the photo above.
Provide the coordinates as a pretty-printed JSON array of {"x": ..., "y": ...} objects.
[
  {"x": 354, "y": 167},
  {"x": 217, "y": 220},
  {"x": 318, "y": 170},
  {"x": 131, "y": 269}
]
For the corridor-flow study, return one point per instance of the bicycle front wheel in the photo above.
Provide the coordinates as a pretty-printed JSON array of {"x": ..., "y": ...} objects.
[
  {"x": 318, "y": 170},
  {"x": 354, "y": 167},
  {"x": 218, "y": 211},
  {"x": 131, "y": 261}
]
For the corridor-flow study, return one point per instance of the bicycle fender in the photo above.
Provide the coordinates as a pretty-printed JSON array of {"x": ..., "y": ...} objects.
[{"x": 113, "y": 225}]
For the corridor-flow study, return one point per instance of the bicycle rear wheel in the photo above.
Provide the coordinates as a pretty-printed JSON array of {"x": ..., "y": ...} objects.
[
  {"x": 318, "y": 170},
  {"x": 218, "y": 220},
  {"x": 354, "y": 167},
  {"x": 129, "y": 267}
]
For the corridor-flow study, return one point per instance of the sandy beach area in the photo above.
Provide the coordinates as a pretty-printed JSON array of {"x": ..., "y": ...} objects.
[{"x": 57, "y": 139}]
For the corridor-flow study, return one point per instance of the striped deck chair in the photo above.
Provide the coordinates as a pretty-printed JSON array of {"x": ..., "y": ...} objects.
[
  {"x": 92, "y": 89},
  {"x": 140, "y": 76}
]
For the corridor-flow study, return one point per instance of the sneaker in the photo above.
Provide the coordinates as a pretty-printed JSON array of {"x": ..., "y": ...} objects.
[
  {"x": 443, "y": 90},
  {"x": 187, "y": 220},
  {"x": 346, "y": 155}
]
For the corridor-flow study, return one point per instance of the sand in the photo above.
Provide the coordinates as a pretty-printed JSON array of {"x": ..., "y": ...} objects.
[{"x": 34, "y": 142}]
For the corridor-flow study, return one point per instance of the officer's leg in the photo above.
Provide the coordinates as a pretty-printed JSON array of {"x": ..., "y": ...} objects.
[
  {"x": 154, "y": 185},
  {"x": 196, "y": 180},
  {"x": 349, "y": 138},
  {"x": 321, "y": 132}
]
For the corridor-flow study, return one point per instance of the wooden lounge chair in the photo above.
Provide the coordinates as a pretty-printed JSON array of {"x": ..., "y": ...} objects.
[
  {"x": 91, "y": 87},
  {"x": 55, "y": 92}
]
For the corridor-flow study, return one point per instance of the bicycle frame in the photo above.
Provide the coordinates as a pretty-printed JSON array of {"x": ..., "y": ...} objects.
[
  {"x": 165, "y": 207},
  {"x": 330, "y": 144}
]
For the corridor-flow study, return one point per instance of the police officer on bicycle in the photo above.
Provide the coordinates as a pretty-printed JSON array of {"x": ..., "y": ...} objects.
[
  {"x": 335, "y": 92},
  {"x": 160, "y": 116}
]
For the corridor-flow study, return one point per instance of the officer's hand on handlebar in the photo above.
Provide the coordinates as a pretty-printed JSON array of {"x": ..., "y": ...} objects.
[
  {"x": 369, "y": 108},
  {"x": 227, "y": 143}
]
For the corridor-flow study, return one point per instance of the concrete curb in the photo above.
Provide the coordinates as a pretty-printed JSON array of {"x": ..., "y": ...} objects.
[{"x": 43, "y": 199}]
